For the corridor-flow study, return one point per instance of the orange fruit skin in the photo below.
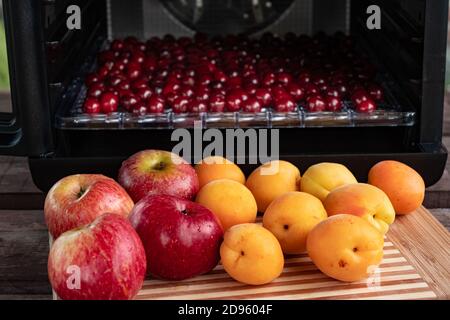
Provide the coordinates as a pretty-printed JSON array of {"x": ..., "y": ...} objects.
[
  {"x": 320, "y": 179},
  {"x": 291, "y": 217},
  {"x": 271, "y": 180},
  {"x": 345, "y": 247},
  {"x": 402, "y": 184},
  {"x": 362, "y": 200},
  {"x": 251, "y": 254},
  {"x": 216, "y": 168},
  {"x": 230, "y": 201}
]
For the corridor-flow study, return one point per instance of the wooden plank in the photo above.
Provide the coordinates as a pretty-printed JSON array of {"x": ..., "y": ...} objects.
[
  {"x": 443, "y": 216},
  {"x": 426, "y": 244},
  {"x": 23, "y": 251},
  {"x": 15, "y": 176}
]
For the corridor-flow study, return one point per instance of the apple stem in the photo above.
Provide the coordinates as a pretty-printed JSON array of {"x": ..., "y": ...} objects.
[{"x": 81, "y": 192}]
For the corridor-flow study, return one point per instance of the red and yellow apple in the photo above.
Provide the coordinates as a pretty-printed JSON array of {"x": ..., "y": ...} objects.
[
  {"x": 104, "y": 260},
  {"x": 77, "y": 200},
  {"x": 181, "y": 238},
  {"x": 152, "y": 172}
]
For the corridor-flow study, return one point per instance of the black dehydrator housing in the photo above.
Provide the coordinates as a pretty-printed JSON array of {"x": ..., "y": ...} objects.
[{"x": 48, "y": 62}]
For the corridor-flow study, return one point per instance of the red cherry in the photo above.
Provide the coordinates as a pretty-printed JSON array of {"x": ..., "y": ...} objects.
[
  {"x": 171, "y": 88},
  {"x": 137, "y": 57},
  {"x": 332, "y": 92},
  {"x": 91, "y": 79},
  {"x": 315, "y": 104},
  {"x": 128, "y": 101},
  {"x": 311, "y": 89},
  {"x": 343, "y": 89},
  {"x": 284, "y": 78},
  {"x": 376, "y": 92},
  {"x": 133, "y": 70},
  {"x": 155, "y": 104},
  {"x": 359, "y": 96},
  {"x": 180, "y": 104},
  {"x": 220, "y": 76},
  {"x": 109, "y": 102},
  {"x": 278, "y": 92},
  {"x": 144, "y": 93},
  {"x": 96, "y": 89},
  {"x": 304, "y": 78},
  {"x": 116, "y": 80},
  {"x": 186, "y": 91},
  {"x": 205, "y": 79},
  {"x": 234, "y": 100},
  {"x": 285, "y": 104},
  {"x": 196, "y": 106},
  {"x": 150, "y": 64},
  {"x": 217, "y": 103},
  {"x": 263, "y": 96},
  {"x": 234, "y": 82},
  {"x": 188, "y": 81},
  {"x": 366, "y": 106},
  {"x": 103, "y": 72},
  {"x": 333, "y": 104},
  {"x": 91, "y": 106},
  {"x": 251, "y": 105},
  {"x": 170, "y": 98},
  {"x": 202, "y": 93},
  {"x": 123, "y": 85},
  {"x": 140, "y": 109},
  {"x": 117, "y": 45},
  {"x": 296, "y": 91},
  {"x": 121, "y": 93},
  {"x": 269, "y": 79},
  {"x": 139, "y": 84}
]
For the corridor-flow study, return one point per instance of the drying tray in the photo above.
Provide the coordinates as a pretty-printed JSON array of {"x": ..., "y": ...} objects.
[{"x": 70, "y": 113}]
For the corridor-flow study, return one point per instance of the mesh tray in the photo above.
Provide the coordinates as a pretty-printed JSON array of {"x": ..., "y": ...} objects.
[{"x": 71, "y": 116}]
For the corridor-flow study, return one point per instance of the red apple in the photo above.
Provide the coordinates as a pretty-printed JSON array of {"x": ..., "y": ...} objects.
[
  {"x": 158, "y": 172},
  {"x": 181, "y": 238},
  {"x": 79, "y": 199},
  {"x": 104, "y": 260}
]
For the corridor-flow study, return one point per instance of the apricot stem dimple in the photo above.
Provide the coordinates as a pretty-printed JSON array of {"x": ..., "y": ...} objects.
[
  {"x": 355, "y": 249},
  {"x": 242, "y": 253},
  {"x": 286, "y": 227}
]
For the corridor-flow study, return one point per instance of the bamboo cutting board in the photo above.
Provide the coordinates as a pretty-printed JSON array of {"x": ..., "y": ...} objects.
[
  {"x": 415, "y": 266},
  {"x": 395, "y": 278}
]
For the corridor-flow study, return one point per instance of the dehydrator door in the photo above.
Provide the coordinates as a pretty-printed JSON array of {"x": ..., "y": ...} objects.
[
  {"x": 27, "y": 130},
  {"x": 230, "y": 16}
]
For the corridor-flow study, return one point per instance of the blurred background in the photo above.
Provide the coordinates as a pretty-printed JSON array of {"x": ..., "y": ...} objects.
[{"x": 5, "y": 103}]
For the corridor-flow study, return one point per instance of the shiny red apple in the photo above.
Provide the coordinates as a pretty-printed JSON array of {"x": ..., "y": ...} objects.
[
  {"x": 104, "y": 260},
  {"x": 181, "y": 238},
  {"x": 158, "y": 172},
  {"x": 79, "y": 199}
]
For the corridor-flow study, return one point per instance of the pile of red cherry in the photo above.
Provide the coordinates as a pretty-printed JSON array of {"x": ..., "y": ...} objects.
[{"x": 230, "y": 74}]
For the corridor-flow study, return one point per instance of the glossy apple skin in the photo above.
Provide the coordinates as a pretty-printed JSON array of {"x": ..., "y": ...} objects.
[
  {"x": 110, "y": 257},
  {"x": 181, "y": 238},
  {"x": 79, "y": 199},
  {"x": 158, "y": 172}
]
